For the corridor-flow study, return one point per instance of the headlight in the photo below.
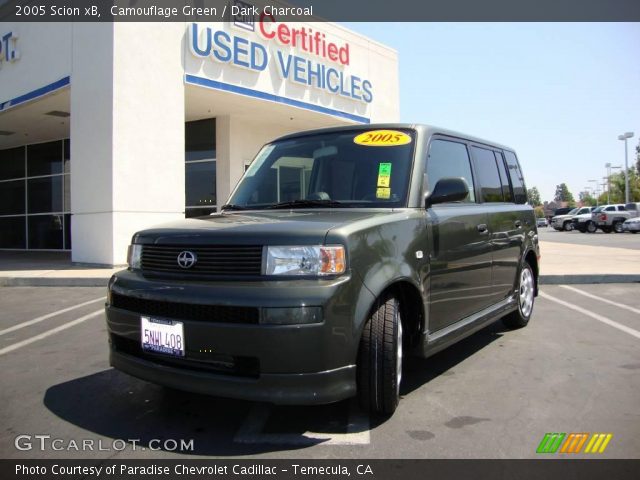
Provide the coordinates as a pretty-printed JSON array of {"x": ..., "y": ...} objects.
[
  {"x": 134, "y": 256},
  {"x": 306, "y": 260}
]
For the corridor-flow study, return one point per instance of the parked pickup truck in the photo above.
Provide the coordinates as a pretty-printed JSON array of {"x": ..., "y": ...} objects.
[
  {"x": 610, "y": 217},
  {"x": 583, "y": 223},
  {"x": 564, "y": 222}
]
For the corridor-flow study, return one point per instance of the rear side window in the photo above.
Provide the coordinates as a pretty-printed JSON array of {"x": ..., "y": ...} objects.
[
  {"x": 610, "y": 209},
  {"x": 449, "y": 159},
  {"x": 517, "y": 180},
  {"x": 487, "y": 175},
  {"x": 621, "y": 208},
  {"x": 504, "y": 178}
]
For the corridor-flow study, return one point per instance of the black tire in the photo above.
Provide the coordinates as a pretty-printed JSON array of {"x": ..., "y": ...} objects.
[
  {"x": 591, "y": 227},
  {"x": 634, "y": 231},
  {"x": 582, "y": 229},
  {"x": 526, "y": 289},
  {"x": 379, "y": 370},
  {"x": 567, "y": 226},
  {"x": 606, "y": 229},
  {"x": 617, "y": 226}
]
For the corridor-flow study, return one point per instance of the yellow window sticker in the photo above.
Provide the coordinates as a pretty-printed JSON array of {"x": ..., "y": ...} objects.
[
  {"x": 383, "y": 192},
  {"x": 382, "y": 138},
  {"x": 384, "y": 175}
]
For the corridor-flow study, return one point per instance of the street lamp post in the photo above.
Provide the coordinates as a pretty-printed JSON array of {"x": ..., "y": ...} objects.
[
  {"x": 625, "y": 137},
  {"x": 610, "y": 167},
  {"x": 595, "y": 189}
]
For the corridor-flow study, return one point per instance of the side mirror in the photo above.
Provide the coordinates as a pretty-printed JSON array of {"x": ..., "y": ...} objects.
[{"x": 450, "y": 189}]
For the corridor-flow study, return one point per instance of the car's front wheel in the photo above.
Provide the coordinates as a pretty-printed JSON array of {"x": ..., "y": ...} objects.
[
  {"x": 591, "y": 227},
  {"x": 568, "y": 226},
  {"x": 617, "y": 227},
  {"x": 526, "y": 295},
  {"x": 379, "y": 369}
]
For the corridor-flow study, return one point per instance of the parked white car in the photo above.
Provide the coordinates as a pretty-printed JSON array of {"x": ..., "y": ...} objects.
[{"x": 631, "y": 225}]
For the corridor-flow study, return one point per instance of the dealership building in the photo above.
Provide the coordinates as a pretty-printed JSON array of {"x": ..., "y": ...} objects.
[{"x": 109, "y": 128}]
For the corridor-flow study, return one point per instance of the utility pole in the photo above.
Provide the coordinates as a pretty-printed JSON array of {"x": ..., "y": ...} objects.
[{"x": 626, "y": 136}]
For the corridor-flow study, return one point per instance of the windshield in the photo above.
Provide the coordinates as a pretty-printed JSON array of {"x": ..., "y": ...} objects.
[
  {"x": 573, "y": 212},
  {"x": 332, "y": 170}
]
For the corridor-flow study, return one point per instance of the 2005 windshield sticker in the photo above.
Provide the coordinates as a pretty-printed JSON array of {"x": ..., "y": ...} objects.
[
  {"x": 384, "y": 181},
  {"x": 382, "y": 138}
]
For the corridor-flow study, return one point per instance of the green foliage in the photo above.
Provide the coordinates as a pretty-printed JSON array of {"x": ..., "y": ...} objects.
[
  {"x": 539, "y": 211},
  {"x": 563, "y": 194},
  {"x": 587, "y": 199},
  {"x": 534, "y": 197},
  {"x": 616, "y": 182}
]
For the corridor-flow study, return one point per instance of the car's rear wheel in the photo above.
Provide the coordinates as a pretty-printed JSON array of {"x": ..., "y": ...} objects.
[
  {"x": 617, "y": 226},
  {"x": 526, "y": 295},
  {"x": 591, "y": 227},
  {"x": 379, "y": 369},
  {"x": 568, "y": 226}
]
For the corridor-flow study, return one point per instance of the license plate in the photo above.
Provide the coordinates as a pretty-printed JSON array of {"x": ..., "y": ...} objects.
[{"x": 162, "y": 336}]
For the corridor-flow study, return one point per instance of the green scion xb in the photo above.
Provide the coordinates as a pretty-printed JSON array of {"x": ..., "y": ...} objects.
[{"x": 339, "y": 252}]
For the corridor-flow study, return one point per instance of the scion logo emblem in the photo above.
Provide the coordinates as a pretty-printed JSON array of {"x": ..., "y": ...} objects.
[{"x": 186, "y": 259}]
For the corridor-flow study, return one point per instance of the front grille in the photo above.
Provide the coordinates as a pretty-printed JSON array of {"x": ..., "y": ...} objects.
[
  {"x": 237, "y": 260},
  {"x": 194, "y": 360},
  {"x": 187, "y": 311}
]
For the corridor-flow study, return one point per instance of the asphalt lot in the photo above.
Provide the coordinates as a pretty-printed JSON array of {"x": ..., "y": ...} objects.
[
  {"x": 617, "y": 240},
  {"x": 575, "y": 368}
]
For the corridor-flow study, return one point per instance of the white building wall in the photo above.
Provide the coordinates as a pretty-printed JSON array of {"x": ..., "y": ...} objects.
[
  {"x": 127, "y": 135},
  {"x": 45, "y": 57}
]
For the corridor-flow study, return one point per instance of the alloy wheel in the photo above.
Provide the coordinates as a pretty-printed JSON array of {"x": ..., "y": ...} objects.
[{"x": 526, "y": 291}]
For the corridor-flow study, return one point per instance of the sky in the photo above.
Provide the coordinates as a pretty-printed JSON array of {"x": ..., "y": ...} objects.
[{"x": 558, "y": 93}]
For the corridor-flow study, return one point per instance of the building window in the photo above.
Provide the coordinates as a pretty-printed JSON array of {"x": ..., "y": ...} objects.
[
  {"x": 200, "y": 168},
  {"x": 34, "y": 184}
]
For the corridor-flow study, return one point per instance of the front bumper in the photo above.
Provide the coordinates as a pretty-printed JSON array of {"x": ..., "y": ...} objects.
[
  {"x": 285, "y": 364},
  {"x": 285, "y": 389}
]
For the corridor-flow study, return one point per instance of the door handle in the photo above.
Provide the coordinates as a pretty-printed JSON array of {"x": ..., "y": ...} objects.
[
  {"x": 482, "y": 228},
  {"x": 518, "y": 224}
]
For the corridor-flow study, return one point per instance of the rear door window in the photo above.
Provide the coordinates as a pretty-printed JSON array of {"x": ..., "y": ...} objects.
[
  {"x": 517, "y": 180},
  {"x": 487, "y": 175},
  {"x": 449, "y": 159}
]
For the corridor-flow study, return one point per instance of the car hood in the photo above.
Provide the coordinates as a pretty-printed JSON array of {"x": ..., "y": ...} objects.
[{"x": 284, "y": 227}]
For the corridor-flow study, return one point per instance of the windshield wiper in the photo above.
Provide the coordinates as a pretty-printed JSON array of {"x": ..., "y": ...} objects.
[
  {"x": 231, "y": 206},
  {"x": 308, "y": 203}
]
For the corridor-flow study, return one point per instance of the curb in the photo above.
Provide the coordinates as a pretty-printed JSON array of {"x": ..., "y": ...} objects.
[
  {"x": 53, "y": 282},
  {"x": 102, "y": 281},
  {"x": 589, "y": 278}
]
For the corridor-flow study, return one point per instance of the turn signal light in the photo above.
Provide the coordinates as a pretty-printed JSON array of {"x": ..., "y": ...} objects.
[{"x": 332, "y": 260}]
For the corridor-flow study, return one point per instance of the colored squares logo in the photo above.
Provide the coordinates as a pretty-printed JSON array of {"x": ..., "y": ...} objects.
[{"x": 574, "y": 443}]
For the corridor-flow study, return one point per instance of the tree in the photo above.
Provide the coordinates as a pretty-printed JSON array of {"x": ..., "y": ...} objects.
[
  {"x": 563, "y": 194},
  {"x": 616, "y": 182},
  {"x": 534, "y": 197},
  {"x": 587, "y": 199},
  {"x": 539, "y": 211},
  {"x": 638, "y": 158}
]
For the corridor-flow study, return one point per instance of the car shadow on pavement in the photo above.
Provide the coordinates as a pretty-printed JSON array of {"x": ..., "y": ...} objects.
[
  {"x": 117, "y": 406},
  {"x": 420, "y": 371}
]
